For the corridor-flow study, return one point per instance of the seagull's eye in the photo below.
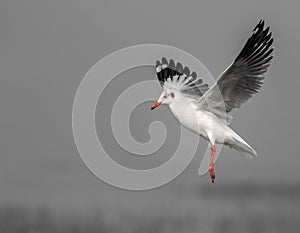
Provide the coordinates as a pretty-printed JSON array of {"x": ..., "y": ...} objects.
[{"x": 165, "y": 96}]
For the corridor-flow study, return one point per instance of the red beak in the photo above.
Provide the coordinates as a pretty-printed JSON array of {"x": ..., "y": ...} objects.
[{"x": 155, "y": 105}]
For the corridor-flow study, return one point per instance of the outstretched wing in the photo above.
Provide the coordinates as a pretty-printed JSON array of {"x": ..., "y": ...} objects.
[
  {"x": 244, "y": 77},
  {"x": 179, "y": 77}
]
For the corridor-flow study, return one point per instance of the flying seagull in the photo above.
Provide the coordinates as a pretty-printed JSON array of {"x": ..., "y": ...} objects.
[{"x": 207, "y": 111}]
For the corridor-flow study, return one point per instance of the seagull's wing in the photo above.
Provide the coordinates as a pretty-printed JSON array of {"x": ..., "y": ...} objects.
[
  {"x": 244, "y": 77},
  {"x": 176, "y": 76}
]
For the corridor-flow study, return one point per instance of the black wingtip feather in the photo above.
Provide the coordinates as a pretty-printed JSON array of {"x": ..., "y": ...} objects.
[
  {"x": 179, "y": 67},
  {"x": 186, "y": 71},
  {"x": 194, "y": 75},
  {"x": 258, "y": 44},
  {"x": 172, "y": 64},
  {"x": 164, "y": 61}
]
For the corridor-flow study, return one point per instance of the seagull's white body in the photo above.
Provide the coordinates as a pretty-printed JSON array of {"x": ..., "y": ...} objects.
[
  {"x": 207, "y": 125},
  {"x": 191, "y": 117},
  {"x": 207, "y": 111}
]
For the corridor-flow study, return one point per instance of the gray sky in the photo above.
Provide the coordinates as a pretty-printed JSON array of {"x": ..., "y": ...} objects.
[{"x": 48, "y": 46}]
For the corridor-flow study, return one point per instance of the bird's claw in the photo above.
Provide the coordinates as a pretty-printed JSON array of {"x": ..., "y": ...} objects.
[{"x": 212, "y": 173}]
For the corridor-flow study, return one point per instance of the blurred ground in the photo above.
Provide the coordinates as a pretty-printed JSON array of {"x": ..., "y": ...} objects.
[{"x": 232, "y": 208}]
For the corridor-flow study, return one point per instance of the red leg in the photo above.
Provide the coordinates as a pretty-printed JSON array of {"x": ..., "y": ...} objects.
[{"x": 211, "y": 164}]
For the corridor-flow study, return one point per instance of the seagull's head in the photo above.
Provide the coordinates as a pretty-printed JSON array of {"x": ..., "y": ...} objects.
[{"x": 166, "y": 97}]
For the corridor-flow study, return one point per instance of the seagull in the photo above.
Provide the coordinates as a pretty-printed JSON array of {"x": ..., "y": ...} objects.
[{"x": 207, "y": 111}]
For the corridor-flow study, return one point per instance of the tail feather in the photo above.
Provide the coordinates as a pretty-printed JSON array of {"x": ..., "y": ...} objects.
[{"x": 243, "y": 147}]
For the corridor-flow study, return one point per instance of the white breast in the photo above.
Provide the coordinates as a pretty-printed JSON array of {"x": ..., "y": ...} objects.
[{"x": 190, "y": 117}]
